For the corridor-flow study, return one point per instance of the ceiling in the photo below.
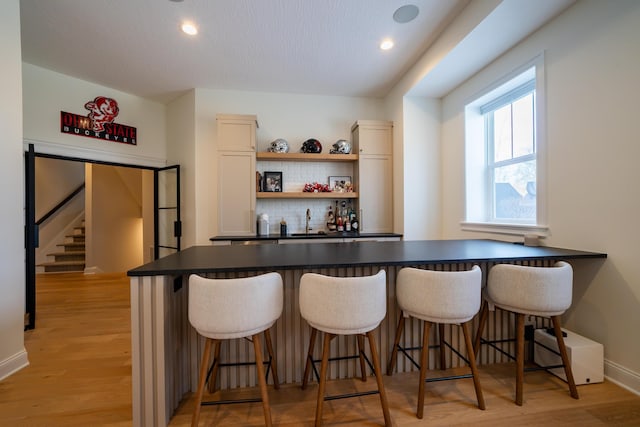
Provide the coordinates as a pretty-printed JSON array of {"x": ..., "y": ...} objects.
[{"x": 328, "y": 47}]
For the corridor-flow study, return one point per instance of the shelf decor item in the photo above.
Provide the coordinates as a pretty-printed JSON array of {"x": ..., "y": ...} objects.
[
  {"x": 316, "y": 188},
  {"x": 272, "y": 182},
  {"x": 340, "y": 184}
]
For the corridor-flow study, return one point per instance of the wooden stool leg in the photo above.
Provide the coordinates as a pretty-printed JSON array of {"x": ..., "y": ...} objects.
[
  {"x": 424, "y": 365},
  {"x": 519, "y": 357},
  {"x": 481, "y": 322},
  {"x": 443, "y": 363},
  {"x": 216, "y": 365},
  {"x": 203, "y": 376},
  {"x": 307, "y": 367},
  {"x": 378, "y": 372},
  {"x": 565, "y": 357},
  {"x": 363, "y": 371},
  {"x": 472, "y": 364},
  {"x": 323, "y": 377},
  {"x": 272, "y": 359},
  {"x": 261, "y": 379},
  {"x": 394, "y": 352}
]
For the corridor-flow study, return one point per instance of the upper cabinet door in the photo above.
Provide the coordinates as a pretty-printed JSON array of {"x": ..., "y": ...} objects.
[
  {"x": 236, "y": 132},
  {"x": 373, "y": 137}
]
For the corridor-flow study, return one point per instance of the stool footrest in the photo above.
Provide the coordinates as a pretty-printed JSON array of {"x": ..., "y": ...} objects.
[
  {"x": 336, "y": 359},
  {"x": 226, "y": 365},
  {"x": 492, "y": 344},
  {"x": 221, "y": 402},
  {"x": 450, "y": 377},
  {"x": 405, "y": 350},
  {"x": 347, "y": 395}
]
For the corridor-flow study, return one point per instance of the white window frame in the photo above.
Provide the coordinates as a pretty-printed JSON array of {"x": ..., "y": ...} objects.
[{"x": 477, "y": 186}]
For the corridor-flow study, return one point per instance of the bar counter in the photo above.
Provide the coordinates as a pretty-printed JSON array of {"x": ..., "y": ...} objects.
[{"x": 166, "y": 350}]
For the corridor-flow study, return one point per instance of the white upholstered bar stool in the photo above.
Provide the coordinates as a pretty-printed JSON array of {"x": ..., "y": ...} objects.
[
  {"x": 438, "y": 297},
  {"x": 344, "y": 306},
  {"x": 536, "y": 291},
  {"x": 222, "y": 309}
]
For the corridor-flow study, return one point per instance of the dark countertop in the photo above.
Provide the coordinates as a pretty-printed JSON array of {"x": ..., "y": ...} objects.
[
  {"x": 313, "y": 235},
  {"x": 209, "y": 259}
]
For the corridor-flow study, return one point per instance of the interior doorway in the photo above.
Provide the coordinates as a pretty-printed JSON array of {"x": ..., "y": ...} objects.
[{"x": 124, "y": 215}]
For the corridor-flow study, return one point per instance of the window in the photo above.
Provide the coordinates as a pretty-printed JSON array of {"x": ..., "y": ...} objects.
[
  {"x": 511, "y": 161},
  {"x": 504, "y": 168}
]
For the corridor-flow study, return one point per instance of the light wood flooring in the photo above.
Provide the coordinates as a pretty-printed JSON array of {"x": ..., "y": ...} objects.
[{"x": 80, "y": 375}]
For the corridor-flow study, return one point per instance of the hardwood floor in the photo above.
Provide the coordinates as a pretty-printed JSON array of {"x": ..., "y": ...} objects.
[
  {"x": 79, "y": 354},
  {"x": 80, "y": 375}
]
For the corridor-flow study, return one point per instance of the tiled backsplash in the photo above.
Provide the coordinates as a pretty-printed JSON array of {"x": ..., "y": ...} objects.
[{"x": 294, "y": 176}]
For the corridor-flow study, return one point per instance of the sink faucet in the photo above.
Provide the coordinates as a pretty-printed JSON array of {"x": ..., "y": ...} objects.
[{"x": 306, "y": 228}]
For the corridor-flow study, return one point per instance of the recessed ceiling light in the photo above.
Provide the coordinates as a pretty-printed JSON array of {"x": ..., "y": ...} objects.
[
  {"x": 189, "y": 28},
  {"x": 406, "y": 13},
  {"x": 386, "y": 44}
]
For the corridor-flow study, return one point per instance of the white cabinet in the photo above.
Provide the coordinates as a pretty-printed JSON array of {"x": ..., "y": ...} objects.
[
  {"x": 236, "y": 132},
  {"x": 236, "y": 164},
  {"x": 373, "y": 140}
]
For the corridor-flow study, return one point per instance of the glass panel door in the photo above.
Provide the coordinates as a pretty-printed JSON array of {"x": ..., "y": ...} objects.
[
  {"x": 30, "y": 238},
  {"x": 167, "y": 225}
]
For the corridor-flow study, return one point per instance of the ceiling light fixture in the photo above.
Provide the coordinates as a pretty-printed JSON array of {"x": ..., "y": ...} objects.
[
  {"x": 406, "y": 13},
  {"x": 189, "y": 28},
  {"x": 386, "y": 44}
]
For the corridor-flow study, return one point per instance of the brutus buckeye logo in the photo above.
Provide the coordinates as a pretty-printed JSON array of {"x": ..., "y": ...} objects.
[{"x": 103, "y": 110}]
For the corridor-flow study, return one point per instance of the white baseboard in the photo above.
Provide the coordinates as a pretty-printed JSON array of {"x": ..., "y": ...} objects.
[
  {"x": 13, "y": 364},
  {"x": 93, "y": 270},
  {"x": 622, "y": 376}
]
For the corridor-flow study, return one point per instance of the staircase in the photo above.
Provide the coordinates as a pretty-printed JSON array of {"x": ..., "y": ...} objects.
[{"x": 71, "y": 257}]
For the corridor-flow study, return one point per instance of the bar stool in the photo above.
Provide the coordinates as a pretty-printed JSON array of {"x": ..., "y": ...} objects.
[
  {"x": 344, "y": 306},
  {"x": 438, "y": 297},
  {"x": 222, "y": 309},
  {"x": 536, "y": 291}
]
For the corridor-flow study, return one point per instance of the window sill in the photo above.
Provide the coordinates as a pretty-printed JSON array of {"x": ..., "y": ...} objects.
[{"x": 501, "y": 228}]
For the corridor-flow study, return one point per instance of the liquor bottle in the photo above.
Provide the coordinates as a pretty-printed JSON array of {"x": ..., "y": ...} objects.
[
  {"x": 340, "y": 224},
  {"x": 331, "y": 220},
  {"x": 347, "y": 224},
  {"x": 354, "y": 223}
]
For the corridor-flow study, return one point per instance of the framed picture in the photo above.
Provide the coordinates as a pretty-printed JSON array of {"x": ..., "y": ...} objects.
[
  {"x": 340, "y": 184},
  {"x": 272, "y": 182}
]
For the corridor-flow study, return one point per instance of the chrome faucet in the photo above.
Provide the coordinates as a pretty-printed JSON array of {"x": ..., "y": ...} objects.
[{"x": 306, "y": 228}]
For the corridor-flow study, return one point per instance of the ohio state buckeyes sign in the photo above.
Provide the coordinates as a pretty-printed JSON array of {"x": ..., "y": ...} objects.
[{"x": 99, "y": 123}]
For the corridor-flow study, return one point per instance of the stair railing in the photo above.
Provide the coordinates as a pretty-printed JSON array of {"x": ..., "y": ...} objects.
[
  {"x": 52, "y": 211},
  {"x": 57, "y": 207}
]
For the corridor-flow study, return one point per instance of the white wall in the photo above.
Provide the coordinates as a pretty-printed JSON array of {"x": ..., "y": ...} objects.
[
  {"x": 12, "y": 281},
  {"x": 292, "y": 117},
  {"x": 46, "y": 93},
  {"x": 404, "y": 109},
  {"x": 147, "y": 215},
  {"x": 181, "y": 149},
  {"x": 114, "y": 230},
  {"x": 592, "y": 68},
  {"x": 422, "y": 167}
]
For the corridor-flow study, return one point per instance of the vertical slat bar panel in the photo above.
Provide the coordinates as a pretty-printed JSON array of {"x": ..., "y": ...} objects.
[{"x": 137, "y": 377}]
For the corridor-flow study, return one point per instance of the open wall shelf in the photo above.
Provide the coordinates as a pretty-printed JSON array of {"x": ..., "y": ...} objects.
[
  {"x": 305, "y": 195},
  {"x": 306, "y": 157}
]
